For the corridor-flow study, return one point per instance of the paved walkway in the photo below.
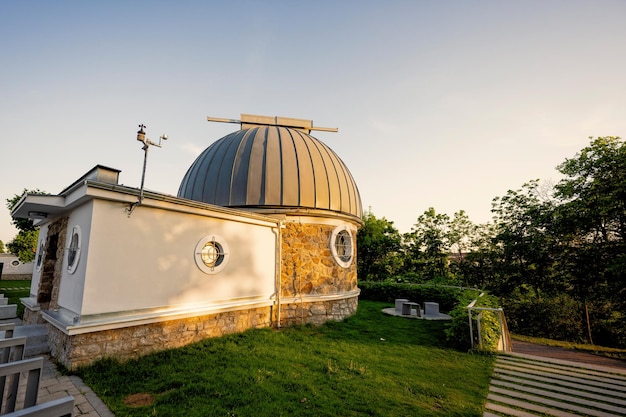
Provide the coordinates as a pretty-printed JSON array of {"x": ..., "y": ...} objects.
[
  {"x": 554, "y": 352},
  {"x": 54, "y": 386}
]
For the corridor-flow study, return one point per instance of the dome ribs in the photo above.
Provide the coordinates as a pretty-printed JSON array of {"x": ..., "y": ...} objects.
[
  {"x": 241, "y": 169},
  {"x": 273, "y": 164},
  {"x": 306, "y": 177},
  {"x": 255, "y": 185},
  {"x": 275, "y": 167},
  {"x": 291, "y": 171},
  {"x": 223, "y": 168}
]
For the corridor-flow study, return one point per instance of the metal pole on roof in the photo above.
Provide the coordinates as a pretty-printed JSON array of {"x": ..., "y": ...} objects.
[{"x": 141, "y": 137}]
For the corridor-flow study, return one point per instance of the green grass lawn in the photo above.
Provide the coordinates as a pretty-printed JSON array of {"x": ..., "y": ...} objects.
[
  {"x": 368, "y": 365},
  {"x": 14, "y": 290}
]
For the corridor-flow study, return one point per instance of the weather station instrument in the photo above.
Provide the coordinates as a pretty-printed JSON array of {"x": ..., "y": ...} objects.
[{"x": 141, "y": 137}]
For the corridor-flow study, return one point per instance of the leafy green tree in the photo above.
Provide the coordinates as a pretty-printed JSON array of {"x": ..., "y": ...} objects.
[
  {"x": 478, "y": 267},
  {"x": 591, "y": 221},
  {"x": 461, "y": 232},
  {"x": 378, "y": 249},
  {"x": 24, "y": 245},
  {"x": 2, "y": 250},
  {"x": 21, "y": 224},
  {"x": 427, "y": 245},
  {"x": 524, "y": 240}
]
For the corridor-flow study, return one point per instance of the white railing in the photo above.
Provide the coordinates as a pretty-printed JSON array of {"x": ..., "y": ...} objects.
[{"x": 504, "y": 343}]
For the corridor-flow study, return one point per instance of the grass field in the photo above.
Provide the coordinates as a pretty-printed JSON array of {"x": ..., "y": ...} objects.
[
  {"x": 368, "y": 365},
  {"x": 14, "y": 290}
]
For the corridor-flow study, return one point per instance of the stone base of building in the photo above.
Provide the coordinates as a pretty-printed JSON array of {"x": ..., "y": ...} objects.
[
  {"x": 132, "y": 342},
  {"x": 32, "y": 313},
  {"x": 294, "y": 312},
  {"x": 135, "y": 341}
]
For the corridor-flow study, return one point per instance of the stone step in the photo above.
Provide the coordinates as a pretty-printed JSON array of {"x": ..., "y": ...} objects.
[
  {"x": 36, "y": 338},
  {"x": 8, "y": 311},
  {"x": 559, "y": 369},
  {"x": 607, "y": 383},
  {"x": 526, "y": 386},
  {"x": 506, "y": 411}
]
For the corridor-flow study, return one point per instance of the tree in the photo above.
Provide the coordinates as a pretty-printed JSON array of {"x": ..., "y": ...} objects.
[
  {"x": 592, "y": 224},
  {"x": 594, "y": 190},
  {"x": 523, "y": 237},
  {"x": 460, "y": 233},
  {"x": 427, "y": 245},
  {"x": 24, "y": 245},
  {"x": 21, "y": 224},
  {"x": 378, "y": 248},
  {"x": 2, "y": 250}
]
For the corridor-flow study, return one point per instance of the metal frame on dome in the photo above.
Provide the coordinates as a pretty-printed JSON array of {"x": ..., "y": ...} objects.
[{"x": 251, "y": 120}]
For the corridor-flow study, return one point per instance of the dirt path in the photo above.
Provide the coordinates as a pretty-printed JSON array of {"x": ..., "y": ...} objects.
[{"x": 566, "y": 354}]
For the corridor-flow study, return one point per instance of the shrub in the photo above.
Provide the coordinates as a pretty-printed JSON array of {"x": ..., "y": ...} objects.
[
  {"x": 559, "y": 318},
  {"x": 458, "y": 331}
]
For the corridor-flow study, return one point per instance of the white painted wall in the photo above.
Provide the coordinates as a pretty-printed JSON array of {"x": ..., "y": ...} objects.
[
  {"x": 146, "y": 261},
  {"x": 72, "y": 285}
]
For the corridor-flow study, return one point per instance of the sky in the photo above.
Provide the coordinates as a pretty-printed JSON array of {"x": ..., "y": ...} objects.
[{"x": 443, "y": 104}]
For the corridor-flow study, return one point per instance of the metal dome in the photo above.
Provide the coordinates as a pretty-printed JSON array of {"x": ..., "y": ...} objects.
[{"x": 271, "y": 166}]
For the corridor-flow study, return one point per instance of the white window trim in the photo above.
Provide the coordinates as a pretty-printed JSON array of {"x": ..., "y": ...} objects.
[
  {"x": 211, "y": 270},
  {"x": 75, "y": 232},
  {"x": 40, "y": 255},
  {"x": 333, "y": 249}
]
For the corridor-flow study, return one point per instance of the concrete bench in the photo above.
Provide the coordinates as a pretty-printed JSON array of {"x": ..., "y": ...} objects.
[
  {"x": 408, "y": 306},
  {"x": 431, "y": 309},
  {"x": 398, "y": 305}
]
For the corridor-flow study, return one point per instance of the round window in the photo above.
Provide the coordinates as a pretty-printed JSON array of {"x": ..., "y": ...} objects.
[
  {"x": 211, "y": 254},
  {"x": 40, "y": 255},
  {"x": 73, "y": 251},
  {"x": 341, "y": 246},
  {"x": 15, "y": 263}
]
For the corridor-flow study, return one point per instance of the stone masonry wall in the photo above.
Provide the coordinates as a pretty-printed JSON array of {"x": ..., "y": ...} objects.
[
  {"x": 132, "y": 342},
  {"x": 48, "y": 291},
  {"x": 317, "y": 312},
  {"x": 308, "y": 266}
]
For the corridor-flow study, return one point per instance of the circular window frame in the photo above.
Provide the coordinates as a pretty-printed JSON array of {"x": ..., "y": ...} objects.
[
  {"x": 338, "y": 233},
  {"x": 41, "y": 253},
  {"x": 15, "y": 263},
  {"x": 71, "y": 266},
  {"x": 217, "y": 242}
]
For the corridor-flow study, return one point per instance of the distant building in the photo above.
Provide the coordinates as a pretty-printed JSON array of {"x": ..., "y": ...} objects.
[
  {"x": 14, "y": 269},
  {"x": 262, "y": 233}
]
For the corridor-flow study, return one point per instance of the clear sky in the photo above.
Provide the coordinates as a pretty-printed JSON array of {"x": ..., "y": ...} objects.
[{"x": 443, "y": 104}]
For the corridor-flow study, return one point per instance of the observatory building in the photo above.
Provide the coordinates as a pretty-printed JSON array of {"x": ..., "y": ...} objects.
[{"x": 262, "y": 233}]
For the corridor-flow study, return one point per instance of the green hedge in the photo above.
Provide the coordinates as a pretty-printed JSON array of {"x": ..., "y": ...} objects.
[{"x": 447, "y": 297}]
